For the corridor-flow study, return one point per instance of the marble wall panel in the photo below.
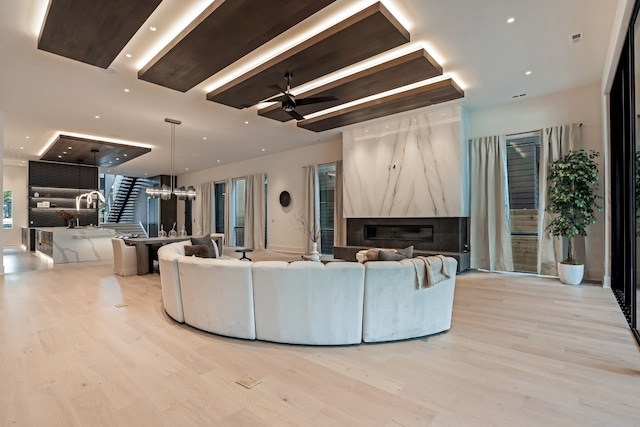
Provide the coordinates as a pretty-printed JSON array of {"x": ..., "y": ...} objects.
[{"x": 409, "y": 167}]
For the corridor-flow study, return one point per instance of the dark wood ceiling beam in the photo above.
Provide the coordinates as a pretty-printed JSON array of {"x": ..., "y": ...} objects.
[
  {"x": 108, "y": 154},
  {"x": 92, "y": 32},
  {"x": 435, "y": 93},
  {"x": 225, "y": 32},
  {"x": 402, "y": 71},
  {"x": 365, "y": 34}
]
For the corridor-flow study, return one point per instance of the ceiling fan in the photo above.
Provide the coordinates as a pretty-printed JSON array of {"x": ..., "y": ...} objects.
[{"x": 289, "y": 101}]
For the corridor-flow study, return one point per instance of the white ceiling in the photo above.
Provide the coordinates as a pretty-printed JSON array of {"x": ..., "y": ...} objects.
[{"x": 41, "y": 93}]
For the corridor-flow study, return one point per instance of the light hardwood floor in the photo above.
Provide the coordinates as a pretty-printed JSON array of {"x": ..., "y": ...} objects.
[{"x": 522, "y": 351}]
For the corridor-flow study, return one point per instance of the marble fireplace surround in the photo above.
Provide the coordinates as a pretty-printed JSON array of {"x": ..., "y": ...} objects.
[{"x": 429, "y": 236}]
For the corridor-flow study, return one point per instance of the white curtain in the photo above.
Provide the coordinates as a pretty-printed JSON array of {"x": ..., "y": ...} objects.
[
  {"x": 228, "y": 188},
  {"x": 490, "y": 222},
  {"x": 556, "y": 142},
  {"x": 203, "y": 209},
  {"x": 254, "y": 215},
  {"x": 312, "y": 202},
  {"x": 339, "y": 221}
]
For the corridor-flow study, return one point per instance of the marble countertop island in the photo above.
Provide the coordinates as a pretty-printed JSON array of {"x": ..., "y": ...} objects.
[{"x": 63, "y": 245}]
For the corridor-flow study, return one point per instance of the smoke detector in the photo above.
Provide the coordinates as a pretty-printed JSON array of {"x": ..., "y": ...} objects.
[{"x": 576, "y": 38}]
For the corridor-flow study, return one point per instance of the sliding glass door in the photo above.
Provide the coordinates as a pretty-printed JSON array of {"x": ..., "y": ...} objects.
[{"x": 624, "y": 103}]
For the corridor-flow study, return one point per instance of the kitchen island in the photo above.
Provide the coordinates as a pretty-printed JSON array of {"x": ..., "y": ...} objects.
[{"x": 62, "y": 245}]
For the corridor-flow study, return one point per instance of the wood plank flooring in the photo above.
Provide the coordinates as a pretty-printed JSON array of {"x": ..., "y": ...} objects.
[{"x": 523, "y": 351}]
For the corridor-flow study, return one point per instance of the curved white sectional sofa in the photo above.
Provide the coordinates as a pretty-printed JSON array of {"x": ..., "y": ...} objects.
[{"x": 303, "y": 302}]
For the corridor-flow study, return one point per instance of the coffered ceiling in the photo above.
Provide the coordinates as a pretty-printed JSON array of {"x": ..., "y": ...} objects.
[{"x": 204, "y": 62}]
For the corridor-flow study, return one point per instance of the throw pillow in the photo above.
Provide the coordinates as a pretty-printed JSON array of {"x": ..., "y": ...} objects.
[
  {"x": 201, "y": 251},
  {"x": 371, "y": 255},
  {"x": 206, "y": 240},
  {"x": 390, "y": 256},
  {"x": 408, "y": 251}
]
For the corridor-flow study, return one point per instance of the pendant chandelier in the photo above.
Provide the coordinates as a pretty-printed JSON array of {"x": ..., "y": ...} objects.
[{"x": 164, "y": 192}]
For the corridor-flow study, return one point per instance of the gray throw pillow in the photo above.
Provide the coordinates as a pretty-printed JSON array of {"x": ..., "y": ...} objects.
[
  {"x": 390, "y": 256},
  {"x": 206, "y": 241},
  {"x": 407, "y": 252},
  {"x": 201, "y": 251}
]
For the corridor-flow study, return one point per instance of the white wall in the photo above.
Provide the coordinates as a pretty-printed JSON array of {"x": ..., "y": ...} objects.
[
  {"x": 579, "y": 105},
  {"x": 284, "y": 172},
  {"x": 15, "y": 179}
]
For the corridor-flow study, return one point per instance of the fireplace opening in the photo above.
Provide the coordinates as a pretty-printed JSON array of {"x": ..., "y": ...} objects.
[{"x": 399, "y": 232}]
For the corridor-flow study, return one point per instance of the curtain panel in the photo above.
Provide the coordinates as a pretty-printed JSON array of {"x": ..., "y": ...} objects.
[
  {"x": 204, "y": 209},
  {"x": 254, "y": 214},
  {"x": 339, "y": 221},
  {"x": 556, "y": 142},
  {"x": 312, "y": 203},
  {"x": 228, "y": 189},
  {"x": 490, "y": 220}
]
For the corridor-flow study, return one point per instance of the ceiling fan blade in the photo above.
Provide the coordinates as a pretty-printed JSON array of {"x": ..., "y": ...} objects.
[
  {"x": 315, "y": 100},
  {"x": 295, "y": 115},
  {"x": 280, "y": 98}
]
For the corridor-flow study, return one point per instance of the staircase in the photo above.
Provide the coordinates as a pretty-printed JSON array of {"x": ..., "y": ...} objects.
[
  {"x": 125, "y": 193},
  {"x": 126, "y": 229}
]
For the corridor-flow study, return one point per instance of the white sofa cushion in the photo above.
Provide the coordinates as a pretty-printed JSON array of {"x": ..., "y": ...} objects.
[
  {"x": 306, "y": 302},
  {"x": 217, "y": 296},
  {"x": 168, "y": 256},
  {"x": 395, "y": 309}
]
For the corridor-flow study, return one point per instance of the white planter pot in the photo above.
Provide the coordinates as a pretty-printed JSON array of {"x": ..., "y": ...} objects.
[
  {"x": 315, "y": 256},
  {"x": 570, "y": 274}
]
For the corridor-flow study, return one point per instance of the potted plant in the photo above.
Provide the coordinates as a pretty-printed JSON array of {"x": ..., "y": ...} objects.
[
  {"x": 68, "y": 218},
  {"x": 571, "y": 186}
]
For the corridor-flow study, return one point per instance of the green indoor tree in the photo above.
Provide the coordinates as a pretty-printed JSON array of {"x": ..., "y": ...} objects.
[{"x": 571, "y": 187}]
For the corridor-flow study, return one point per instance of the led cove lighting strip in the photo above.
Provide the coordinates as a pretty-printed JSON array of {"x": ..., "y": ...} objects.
[
  {"x": 378, "y": 96},
  {"x": 178, "y": 25},
  {"x": 97, "y": 138},
  {"x": 324, "y": 25}
]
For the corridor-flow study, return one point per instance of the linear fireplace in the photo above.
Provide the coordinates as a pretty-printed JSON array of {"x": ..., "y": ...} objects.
[
  {"x": 408, "y": 233},
  {"x": 429, "y": 236}
]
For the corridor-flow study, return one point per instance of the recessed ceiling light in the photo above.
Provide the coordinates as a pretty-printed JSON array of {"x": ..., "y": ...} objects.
[
  {"x": 146, "y": 174},
  {"x": 128, "y": 55},
  {"x": 59, "y": 156},
  {"x": 70, "y": 148},
  {"x": 246, "y": 123},
  {"x": 204, "y": 137},
  {"x": 528, "y": 73},
  {"x": 27, "y": 137},
  {"x": 127, "y": 90},
  {"x": 263, "y": 149},
  {"x": 511, "y": 20},
  {"x": 186, "y": 169},
  {"x": 125, "y": 154},
  {"x": 97, "y": 117},
  {"x": 22, "y": 148},
  {"x": 152, "y": 28},
  {"x": 64, "y": 152},
  {"x": 110, "y": 162},
  {"x": 218, "y": 160},
  {"x": 108, "y": 170},
  {"x": 117, "y": 158}
]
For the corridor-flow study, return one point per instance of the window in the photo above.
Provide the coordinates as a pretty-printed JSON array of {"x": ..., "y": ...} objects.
[
  {"x": 7, "y": 209},
  {"x": 327, "y": 185},
  {"x": 219, "y": 194},
  {"x": 523, "y": 158},
  {"x": 237, "y": 213}
]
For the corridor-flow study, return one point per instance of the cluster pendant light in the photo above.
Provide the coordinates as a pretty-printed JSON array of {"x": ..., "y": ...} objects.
[{"x": 165, "y": 192}]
